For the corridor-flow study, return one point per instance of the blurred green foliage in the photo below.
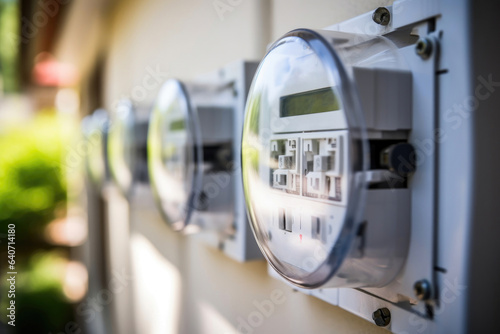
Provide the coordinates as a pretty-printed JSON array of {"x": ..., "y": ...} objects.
[
  {"x": 40, "y": 301},
  {"x": 32, "y": 184},
  {"x": 32, "y": 194},
  {"x": 9, "y": 40}
]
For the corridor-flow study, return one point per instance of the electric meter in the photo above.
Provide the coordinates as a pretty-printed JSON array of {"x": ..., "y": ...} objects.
[
  {"x": 326, "y": 127},
  {"x": 121, "y": 146},
  {"x": 95, "y": 131},
  {"x": 126, "y": 146},
  {"x": 194, "y": 148},
  {"x": 190, "y": 144}
]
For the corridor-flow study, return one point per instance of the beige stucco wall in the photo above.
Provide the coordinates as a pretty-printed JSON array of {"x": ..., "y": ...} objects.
[{"x": 180, "y": 285}]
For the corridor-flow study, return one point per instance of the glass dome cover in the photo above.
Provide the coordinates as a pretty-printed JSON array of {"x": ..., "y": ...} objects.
[
  {"x": 305, "y": 151},
  {"x": 121, "y": 146},
  {"x": 174, "y": 154},
  {"x": 95, "y": 130}
]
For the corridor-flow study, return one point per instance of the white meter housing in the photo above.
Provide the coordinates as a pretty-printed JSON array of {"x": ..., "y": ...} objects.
[
  {"x": 193, "y": 157},
  {"x": 95, "y": 131},
  {"x": 318, "y": 197},
  {"x": 366, "y": 164},
  {"x": 127, "y": 147}
]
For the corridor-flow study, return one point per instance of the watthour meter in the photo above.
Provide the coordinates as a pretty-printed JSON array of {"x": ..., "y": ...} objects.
[
  {"x": 126, "y": 146},
  {"x": 194, "y": 157},
  {"x": 189, "y": 148},
  {"x": 95, "y": 131},
  {"x": 326, "y": 161}
]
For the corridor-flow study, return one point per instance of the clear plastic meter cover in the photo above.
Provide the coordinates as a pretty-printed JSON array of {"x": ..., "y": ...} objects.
[
  {"x": 94, "y": 128},
  {"x": 305, "y": 150},
  {"x": 121, "y": 146},
  {"x": 174, "y": 154}
]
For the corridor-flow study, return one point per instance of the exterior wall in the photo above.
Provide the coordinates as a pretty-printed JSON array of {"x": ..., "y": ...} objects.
[
  {"x": 179, "y": 284},
  {"x": 183, "y": 286},
  {"x": 179, "y": 39}
]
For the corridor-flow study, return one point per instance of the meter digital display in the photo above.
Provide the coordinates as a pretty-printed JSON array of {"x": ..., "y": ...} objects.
[
  {"x": 313, "y": 102},
  {"x": 306, "y": 159}
]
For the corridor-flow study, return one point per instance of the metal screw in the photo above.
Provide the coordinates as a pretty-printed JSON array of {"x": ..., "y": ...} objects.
[
  {"x": 382, "y": 317},
  {"x": 381, "y": 16},
  {"x": 424, "y": 48},
  {"x": 422, "y": 289}
]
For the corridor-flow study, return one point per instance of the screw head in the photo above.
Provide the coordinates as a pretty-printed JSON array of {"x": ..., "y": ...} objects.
[
  {"x": 422, "y": 289},
  {"x": 382, "y": 317},
  {"x": 381, "y": 16},
  {"x": 423, "y": 48}
]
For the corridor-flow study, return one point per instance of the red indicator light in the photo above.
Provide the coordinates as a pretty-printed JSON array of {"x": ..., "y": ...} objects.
[{"x": 300, "y": 237}]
